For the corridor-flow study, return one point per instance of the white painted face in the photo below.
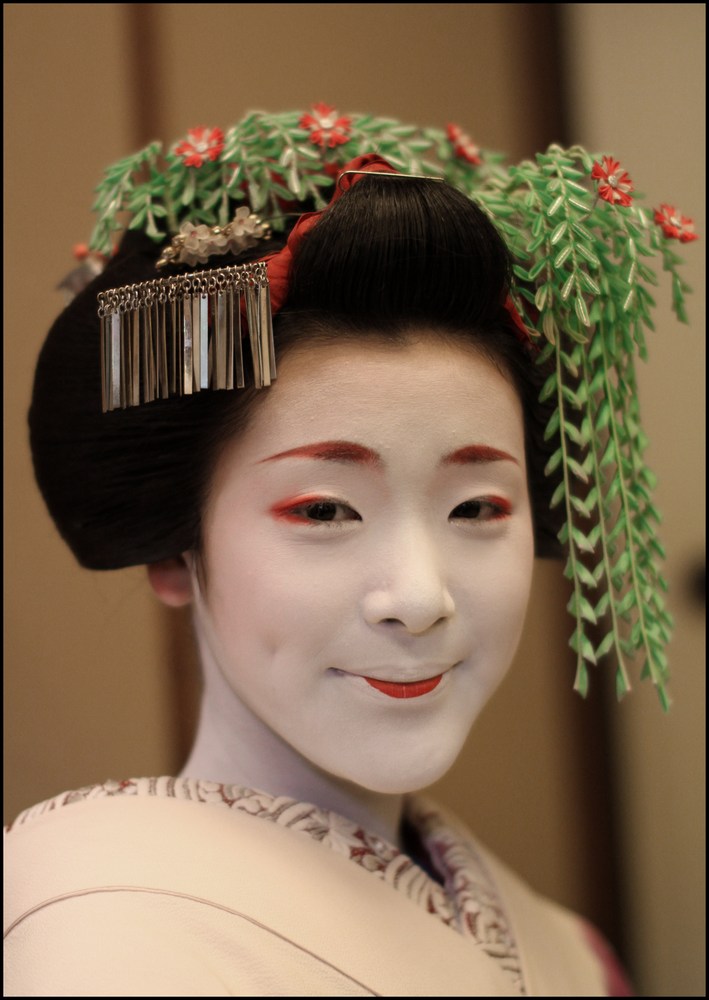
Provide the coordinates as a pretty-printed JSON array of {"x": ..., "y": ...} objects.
[{"x": 368, "y": 552}]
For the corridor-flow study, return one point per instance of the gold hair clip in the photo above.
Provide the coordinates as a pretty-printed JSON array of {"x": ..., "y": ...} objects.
[{"x": 387, "y": 173}]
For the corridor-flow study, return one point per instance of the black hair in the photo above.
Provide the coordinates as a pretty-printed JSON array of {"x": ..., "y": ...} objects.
[{"x": 390, "y": 256}]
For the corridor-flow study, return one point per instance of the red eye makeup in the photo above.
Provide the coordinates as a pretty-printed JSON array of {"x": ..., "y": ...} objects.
[
  {"x": 488, "y": 508},
  {"x": 313, "y": 509}
]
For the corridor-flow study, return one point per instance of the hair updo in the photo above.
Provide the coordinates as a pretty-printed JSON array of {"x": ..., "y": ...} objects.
[{"x": 392, "y": 254}]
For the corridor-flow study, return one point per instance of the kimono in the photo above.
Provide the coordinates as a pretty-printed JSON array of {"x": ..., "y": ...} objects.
[{"x": 184, "y": 887}]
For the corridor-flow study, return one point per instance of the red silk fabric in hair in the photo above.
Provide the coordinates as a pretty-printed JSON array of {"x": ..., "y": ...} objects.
[
  {"x": 278, "y": 264},
  {"x": 521, "y": 332}
]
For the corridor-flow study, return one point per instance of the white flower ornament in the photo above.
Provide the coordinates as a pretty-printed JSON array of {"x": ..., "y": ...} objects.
[{"x": 196, "y": 243}]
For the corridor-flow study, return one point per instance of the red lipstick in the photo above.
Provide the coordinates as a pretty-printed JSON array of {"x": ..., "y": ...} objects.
[{"x": 413, "y": 689}]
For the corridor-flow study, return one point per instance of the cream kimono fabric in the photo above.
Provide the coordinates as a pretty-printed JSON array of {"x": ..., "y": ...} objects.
[{"x": 177, "y": 887}]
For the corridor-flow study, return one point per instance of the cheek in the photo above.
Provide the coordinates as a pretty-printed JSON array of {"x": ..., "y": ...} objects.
[
  {"x": 265, "y": 596},
  {"x": 497, "y": 593}
]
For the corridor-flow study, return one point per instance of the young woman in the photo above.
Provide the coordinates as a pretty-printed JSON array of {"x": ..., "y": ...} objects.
[{"x": 355, "y": 530}]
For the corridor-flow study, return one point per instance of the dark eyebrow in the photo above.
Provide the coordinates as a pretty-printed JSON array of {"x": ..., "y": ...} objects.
[
  {"x": 477, "y": 453},
  {"x": 331, "y": 451}
]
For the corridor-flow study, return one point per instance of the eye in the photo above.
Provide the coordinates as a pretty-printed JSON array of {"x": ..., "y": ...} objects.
[
  {"x": 482, "y": 509},
  {"x": 325, "y": 510},
  {"x": 315, "y": 510}
]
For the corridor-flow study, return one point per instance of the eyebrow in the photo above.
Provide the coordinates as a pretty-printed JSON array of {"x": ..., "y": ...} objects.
[
  {"x": 357, "y": 454},
  {"x": 332, "y": 451},
  {"x": 474, "y": 454}
]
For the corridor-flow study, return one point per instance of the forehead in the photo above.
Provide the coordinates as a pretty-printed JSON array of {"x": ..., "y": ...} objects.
[
  {"x": 427, "y": 391},
  {"x": 412, "y": 404}
]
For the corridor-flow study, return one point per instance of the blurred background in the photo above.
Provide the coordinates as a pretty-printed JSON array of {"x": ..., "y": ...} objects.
[{"x": 600, "y": 806}]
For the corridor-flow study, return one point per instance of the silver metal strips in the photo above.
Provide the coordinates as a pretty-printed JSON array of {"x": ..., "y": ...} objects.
[{"x": 180, "y": 335}]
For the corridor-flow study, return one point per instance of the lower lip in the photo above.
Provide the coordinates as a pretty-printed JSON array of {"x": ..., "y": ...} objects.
[{"x": 415, "y": 689}]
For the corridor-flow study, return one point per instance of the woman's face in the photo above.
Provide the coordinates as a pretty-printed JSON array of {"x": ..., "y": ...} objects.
[{"x": 368, "y": 556}]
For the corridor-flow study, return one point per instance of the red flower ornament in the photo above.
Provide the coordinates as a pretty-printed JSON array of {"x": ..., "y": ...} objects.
[
  {"x": 463, "y": 146},
  {"x": 201, "y": 145},
  {"x": 326, "y": 127},
  {"x": 674, "y": 225},
  {"x": 614, "y": 184}
]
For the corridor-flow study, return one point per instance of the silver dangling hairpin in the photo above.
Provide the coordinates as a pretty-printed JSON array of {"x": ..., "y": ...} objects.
[{"x": 176, "y": 336}]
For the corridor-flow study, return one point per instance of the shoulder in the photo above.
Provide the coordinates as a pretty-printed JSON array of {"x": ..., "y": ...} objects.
[
  {"x": 139, "y": 889},
  {"x": 158, "y": 832},
  {"x": 147, "y": 895},
  {"x": 559, "y": 953}
]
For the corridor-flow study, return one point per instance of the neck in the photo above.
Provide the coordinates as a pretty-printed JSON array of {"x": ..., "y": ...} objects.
[{"x": 234, "y": 746}]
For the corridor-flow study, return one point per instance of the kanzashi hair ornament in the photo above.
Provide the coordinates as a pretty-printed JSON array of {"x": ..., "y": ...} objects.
[
  {"x": 344, "y": 175},
  {"x": 581, "y": 243},
  {"x": 195, "y": 244},
  {"x": 179, "y": 335}
]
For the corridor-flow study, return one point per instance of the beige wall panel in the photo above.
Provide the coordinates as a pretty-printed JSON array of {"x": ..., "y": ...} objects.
[
  {"x": 638, "y": 90},
  {"x": 430, "y": 63},
  {"x": 84, "y": 682}
]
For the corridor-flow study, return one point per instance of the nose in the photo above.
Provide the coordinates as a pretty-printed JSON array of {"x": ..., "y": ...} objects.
[{"x": 410, "y": 589}]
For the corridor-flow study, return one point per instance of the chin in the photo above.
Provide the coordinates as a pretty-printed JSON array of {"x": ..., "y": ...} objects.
[{"x": 405, "y": 776}]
